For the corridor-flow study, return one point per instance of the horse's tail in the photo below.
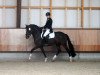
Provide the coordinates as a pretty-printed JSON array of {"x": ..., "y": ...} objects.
[{"x": 71, "y": 47}]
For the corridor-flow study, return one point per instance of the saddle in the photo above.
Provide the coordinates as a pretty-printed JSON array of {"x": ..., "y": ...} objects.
[{"x": 46, "y": 33}]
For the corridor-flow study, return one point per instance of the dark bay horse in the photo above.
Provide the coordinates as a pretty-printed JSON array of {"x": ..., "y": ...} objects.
[{"x": 60, "y": 39}]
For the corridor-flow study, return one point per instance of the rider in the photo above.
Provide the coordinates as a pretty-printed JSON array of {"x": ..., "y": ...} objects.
[{"x": 48, "y": 26}]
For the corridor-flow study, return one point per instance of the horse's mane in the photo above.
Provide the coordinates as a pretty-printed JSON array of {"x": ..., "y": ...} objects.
[{"x": 36, "y": 26}]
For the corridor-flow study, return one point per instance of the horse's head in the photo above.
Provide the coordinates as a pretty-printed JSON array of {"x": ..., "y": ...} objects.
[
  {"x": 32, "y": 29},
  {"x": 28, "y": 31}
]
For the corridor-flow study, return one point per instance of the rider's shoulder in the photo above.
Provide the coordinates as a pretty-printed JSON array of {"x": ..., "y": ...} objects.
[{"x": 50, "y": 19}]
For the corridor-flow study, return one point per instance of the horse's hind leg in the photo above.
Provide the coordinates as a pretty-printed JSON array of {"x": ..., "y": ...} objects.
[
  {"x": 44, "y": 54},
  {"x": 58, "y": 51},
  {"x": 68, "y": 51},
  {"x": 32, "y": 52}
]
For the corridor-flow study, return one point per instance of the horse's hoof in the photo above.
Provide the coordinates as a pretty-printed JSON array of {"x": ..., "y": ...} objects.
[
  {"x": 30, "y": 56},
  {"x": 71, "y": 60},
  {"x": 46, "y": 59},
  {"x": 52, "y": 60}
]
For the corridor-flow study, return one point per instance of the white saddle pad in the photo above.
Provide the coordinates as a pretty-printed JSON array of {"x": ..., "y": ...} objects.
[{"x": 51, "y": 35}]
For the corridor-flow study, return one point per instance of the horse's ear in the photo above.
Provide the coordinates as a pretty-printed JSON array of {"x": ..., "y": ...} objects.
[{"x": 26, "y": 25}]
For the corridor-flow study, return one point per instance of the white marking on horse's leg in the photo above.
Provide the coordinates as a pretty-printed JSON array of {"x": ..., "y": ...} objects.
[
  {"x": 30, "y": 56},
  {"x": 55, "y": 56},
  {"x": 46, "y": 59},
  {"x": 70, "y": 58}
]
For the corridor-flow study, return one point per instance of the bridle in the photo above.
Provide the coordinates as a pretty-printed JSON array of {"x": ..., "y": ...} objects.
[{"x": 28, "y": 33}]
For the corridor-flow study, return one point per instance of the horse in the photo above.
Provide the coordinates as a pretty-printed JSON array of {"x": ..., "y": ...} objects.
[{"x": 60, "y": 39}]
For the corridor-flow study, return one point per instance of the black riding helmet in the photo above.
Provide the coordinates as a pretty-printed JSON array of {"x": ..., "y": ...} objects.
[{"x": 48, "y": 14}]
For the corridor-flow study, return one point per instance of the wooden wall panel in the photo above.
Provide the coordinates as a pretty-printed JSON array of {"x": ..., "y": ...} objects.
[
  {"x": 12, "y": 40},
  {"x": 83, "y": 40}
]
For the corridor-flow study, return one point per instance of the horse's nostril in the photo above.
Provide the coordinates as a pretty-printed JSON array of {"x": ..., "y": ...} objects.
[{"x": 27, "y": 36}]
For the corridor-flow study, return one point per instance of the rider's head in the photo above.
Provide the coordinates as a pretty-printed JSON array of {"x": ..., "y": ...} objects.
[{"x": 48, "y": 14}]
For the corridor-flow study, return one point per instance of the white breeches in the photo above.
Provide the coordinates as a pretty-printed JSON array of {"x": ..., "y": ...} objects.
[{"x": 51, "y": 35}]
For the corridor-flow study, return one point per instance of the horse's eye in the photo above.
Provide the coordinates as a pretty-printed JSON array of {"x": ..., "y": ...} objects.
[{"x": 29, "y": 29}]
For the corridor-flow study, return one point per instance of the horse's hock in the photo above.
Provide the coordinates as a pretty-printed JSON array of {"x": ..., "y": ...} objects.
[{"x": 83, "y": 40}]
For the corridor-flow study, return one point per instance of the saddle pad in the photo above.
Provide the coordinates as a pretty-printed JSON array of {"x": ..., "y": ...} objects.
[{"x": 51, "y": 35}]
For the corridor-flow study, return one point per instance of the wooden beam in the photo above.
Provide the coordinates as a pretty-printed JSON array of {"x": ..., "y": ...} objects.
[
  {"x": 51, "y": 7},
  {"x": 90, "y": 12},
  {"x": 78, "y": 20},
  {"x": 82, "y": 13},
  {"x": 18, "y": 22},
  {"x": 63, "y": 28},
  {"x": 7, "y": 6},
  {"x": 66, "y": 1},
  {"x": 92, "y": 8},
  {"x": 4, "y": 15},
  {"x": 57, "y": 7}
]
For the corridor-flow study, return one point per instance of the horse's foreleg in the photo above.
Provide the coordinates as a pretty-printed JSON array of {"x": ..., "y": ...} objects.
[
  {"x": 44, "y": 54},
  {"x": 55, "y": 56},
  {"x": 32, "y": 52}
]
